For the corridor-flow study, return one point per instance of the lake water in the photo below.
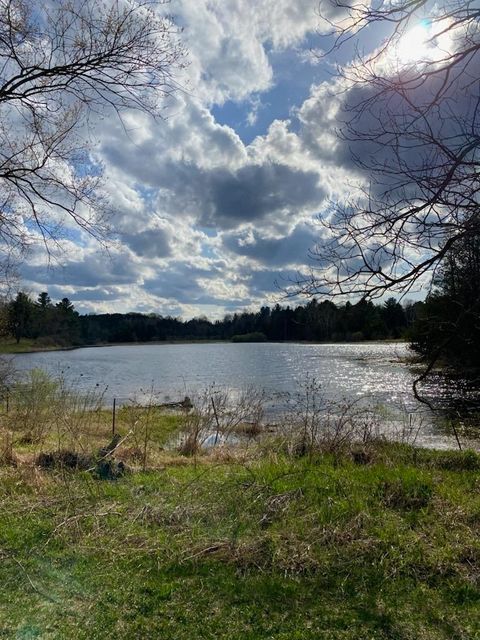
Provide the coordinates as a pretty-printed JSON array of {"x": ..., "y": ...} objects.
[{"x": 370, "y": 372}]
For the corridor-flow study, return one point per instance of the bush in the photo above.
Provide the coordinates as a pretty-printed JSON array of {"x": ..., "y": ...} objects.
[
  {"x": 32, "y": 400},
  {"x": 255, "y": 336},
  {"x": 64, "y": 459},
  {"x": 45, "y": 342}
]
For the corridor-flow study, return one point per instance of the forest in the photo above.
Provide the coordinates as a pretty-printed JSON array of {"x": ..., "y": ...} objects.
[{"x": 59, "y": 324}]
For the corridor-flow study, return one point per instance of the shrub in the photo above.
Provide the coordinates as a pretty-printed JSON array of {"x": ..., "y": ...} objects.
[
  {"x": 64, "y": 459},
  {"x": 255, "y": 336},
  {"x": 32, "y": 400}
]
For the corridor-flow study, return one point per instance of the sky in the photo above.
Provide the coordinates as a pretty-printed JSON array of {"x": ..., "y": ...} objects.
[{"x": 216, "y": 206}]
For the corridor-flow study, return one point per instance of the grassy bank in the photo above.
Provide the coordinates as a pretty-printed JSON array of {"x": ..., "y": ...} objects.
[
  {"x": 255, "y": 541},
  {"x": 26, "y": 345}
]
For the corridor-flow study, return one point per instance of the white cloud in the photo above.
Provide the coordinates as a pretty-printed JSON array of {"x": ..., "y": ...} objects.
[
  {"x": 204, "y": 221},
  {"x": 228, "y": 42}
]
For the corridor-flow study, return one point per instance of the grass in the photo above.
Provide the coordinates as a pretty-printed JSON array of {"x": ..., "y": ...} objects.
[
  {"x": 242, "y": 545},
  {"x": 26, "y": 345},
  {"x": 377, "y": 541},
  {"x": 9, "y": 345}
]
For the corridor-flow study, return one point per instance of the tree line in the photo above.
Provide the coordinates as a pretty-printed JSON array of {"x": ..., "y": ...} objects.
[
  {"x": 444, "y": 329},
  {"x": 59, "y": 324}
]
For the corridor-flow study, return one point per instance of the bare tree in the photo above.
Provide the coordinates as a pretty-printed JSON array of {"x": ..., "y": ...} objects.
[
  {"x": 410, "y": 125},
  {"x": 61, "y": 61}
]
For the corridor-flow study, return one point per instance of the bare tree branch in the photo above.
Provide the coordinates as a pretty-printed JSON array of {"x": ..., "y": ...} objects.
[
  {"x": 412, "y": 130},
  {"x": 60, "y": 62}
]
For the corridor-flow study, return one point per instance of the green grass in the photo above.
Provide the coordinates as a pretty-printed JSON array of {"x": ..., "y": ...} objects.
[
  {"x": 26, "y": 345},
  {"x": 9, "y": 345},
  {"x": 247, "y": 547}
]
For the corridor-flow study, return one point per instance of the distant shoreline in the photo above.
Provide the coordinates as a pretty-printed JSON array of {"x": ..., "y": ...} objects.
[{"x": 23, "y": 348}]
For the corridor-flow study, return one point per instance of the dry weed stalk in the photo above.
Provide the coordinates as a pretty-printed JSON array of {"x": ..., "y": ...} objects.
[
  {"x": 139, "y": 417},
  {"x": 74, "y": 414},
  {"x": 221, "y": 416}
]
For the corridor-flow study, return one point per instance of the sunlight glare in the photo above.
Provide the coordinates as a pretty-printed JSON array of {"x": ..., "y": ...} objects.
[{"x": 414, "y": 46}]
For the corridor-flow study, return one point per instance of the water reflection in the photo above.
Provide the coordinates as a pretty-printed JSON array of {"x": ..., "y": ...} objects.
[{"x": 372, "y": 373}]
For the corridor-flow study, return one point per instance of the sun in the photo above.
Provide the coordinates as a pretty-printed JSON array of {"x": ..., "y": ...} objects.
[
  {"x": 415, "y": 45},
  {"x": 426, "y": 42}
]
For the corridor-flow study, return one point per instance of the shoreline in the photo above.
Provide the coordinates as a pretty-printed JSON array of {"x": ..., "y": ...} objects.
[{"x": 33, "y": 349}]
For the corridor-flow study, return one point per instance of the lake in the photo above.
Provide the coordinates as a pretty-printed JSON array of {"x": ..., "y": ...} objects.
[{"x": 376, "y": 373}]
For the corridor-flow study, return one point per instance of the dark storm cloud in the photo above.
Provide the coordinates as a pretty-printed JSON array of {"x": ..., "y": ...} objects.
[
  {"x": 290, "y": 249},
  {"x": 268, "y": 282},
  {"x": 227, "y": 198},
  {"x": 255, "y": 192},
  {"x": 174, "y": 286},
  {"x": 381, "y": 130},
  {"x": 151, "y": 243}
]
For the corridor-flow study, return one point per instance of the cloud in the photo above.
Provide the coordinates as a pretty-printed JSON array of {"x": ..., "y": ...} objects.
[
  {"x": 88, "y": 271},
  {"x": 252, "y": 115},
  {"x": 256, "y": 192},
  {"x": 151, "y": 243},
  {"x": 203, "y": 219},
  {"x": 97, "y": 294},
  {"x": 185, "y": 283},
  {"x": 229, "y": 41},
  {"x": 267, "y": 285},
  {"x": 228, "y": 190},
  {"x": 189, "y": 130},
  {"x": 288, "y": 250}
]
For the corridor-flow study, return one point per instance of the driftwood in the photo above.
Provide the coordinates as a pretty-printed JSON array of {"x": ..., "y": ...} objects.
[{"x": 186, "y": 403}]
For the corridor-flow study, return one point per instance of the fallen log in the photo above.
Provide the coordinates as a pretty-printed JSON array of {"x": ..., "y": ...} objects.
[{"x": 186, "y": 403}]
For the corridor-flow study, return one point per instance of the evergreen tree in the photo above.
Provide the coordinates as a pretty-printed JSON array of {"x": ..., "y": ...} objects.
[
  {"x": 20, "y": 315},
  {"x": 448, "y": 328},
  {"x": 44, "y": 301}
]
